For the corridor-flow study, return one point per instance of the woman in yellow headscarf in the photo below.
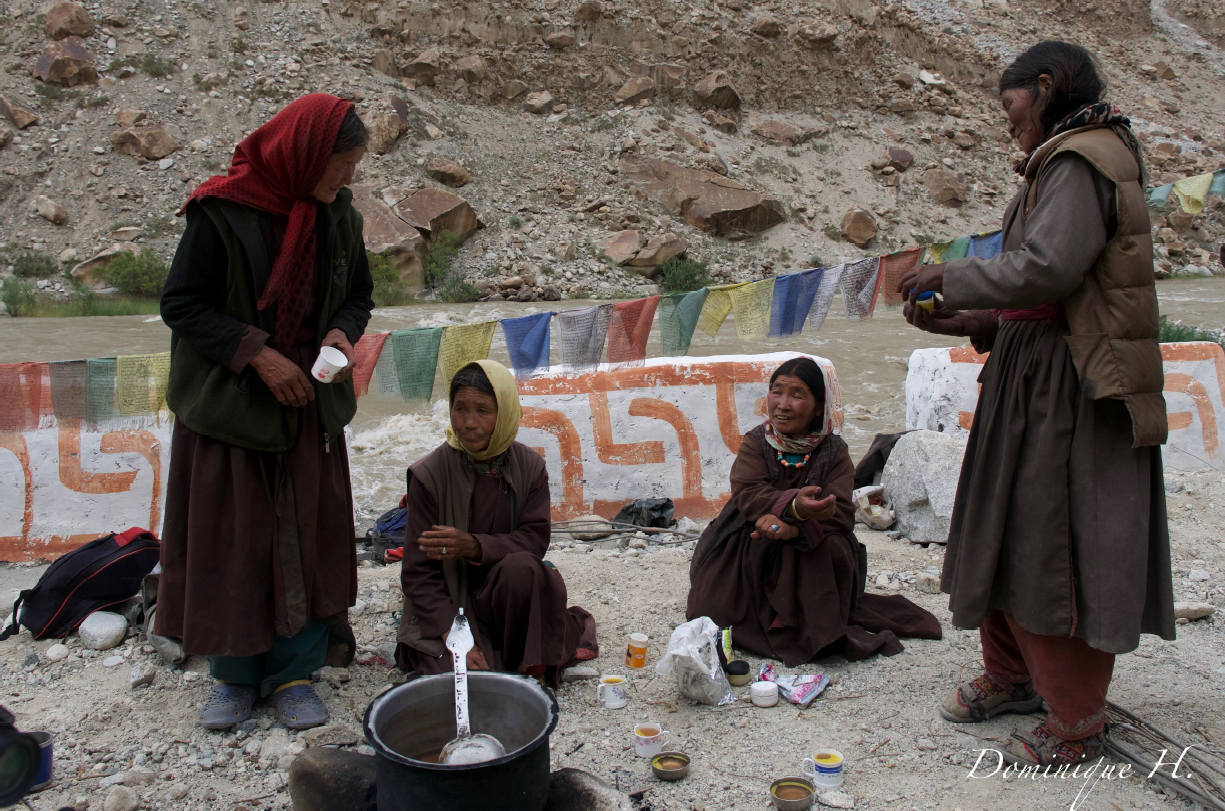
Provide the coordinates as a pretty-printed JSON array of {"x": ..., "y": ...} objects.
[{"x": 478, "y": 528}]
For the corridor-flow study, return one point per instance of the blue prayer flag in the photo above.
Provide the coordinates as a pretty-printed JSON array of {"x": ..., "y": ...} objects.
[
  {"x": 527, "y": 341},
  {"x": 985, "y": 246},
  {"x": 793, "y": 295}
]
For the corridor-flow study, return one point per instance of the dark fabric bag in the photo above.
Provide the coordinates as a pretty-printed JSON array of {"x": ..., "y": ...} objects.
[{"x": 98, "y": 575}]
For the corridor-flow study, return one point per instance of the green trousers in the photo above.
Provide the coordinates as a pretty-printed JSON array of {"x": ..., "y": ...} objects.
[{"x": 291, "y": 658}]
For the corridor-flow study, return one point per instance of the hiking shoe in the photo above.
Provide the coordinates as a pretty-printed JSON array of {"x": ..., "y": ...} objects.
[
  {"x": 229, "y": 704},
  {"x": 985, "y": 698},
  {"x": 1041, "y": 747},
  {"x": 298, "y": 707}
]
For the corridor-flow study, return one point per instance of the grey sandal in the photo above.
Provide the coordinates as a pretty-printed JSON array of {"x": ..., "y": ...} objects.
[
  {"x": 298, "y": 707},
  {"x": 228, "y": 705}
]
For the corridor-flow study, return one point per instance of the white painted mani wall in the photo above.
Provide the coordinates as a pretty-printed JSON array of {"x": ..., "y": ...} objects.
[{"x": 942, "y": 393}]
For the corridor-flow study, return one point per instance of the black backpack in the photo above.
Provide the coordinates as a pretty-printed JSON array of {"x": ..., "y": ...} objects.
[{"x": 98, "y": 575}]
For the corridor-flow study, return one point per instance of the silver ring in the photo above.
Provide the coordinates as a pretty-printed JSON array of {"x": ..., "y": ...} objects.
[
  {"x": 444, "y": 550},
  {"x": 774, "y": 528}
]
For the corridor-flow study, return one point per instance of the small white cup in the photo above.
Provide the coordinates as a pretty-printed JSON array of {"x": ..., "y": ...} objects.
[
  {"x": 612, "y": 691},
  {"x": 330, "y": 361},
  {"x": 650, "y": 745},
  {"x": 764, "y": 693},
  {"x": 825, "y": 775}
]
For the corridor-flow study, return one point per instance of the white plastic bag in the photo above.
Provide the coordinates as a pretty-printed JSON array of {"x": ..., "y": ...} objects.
[
  {"x": 699, "y": 676},
  {"x": 877, "y": 516}
]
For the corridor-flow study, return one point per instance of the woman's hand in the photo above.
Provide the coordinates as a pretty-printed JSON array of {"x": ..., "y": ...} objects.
[
  {"x": 448, "y": 543},
  {"x": 921, "y": 279},
  {"x": 288, "y": 383},
  {"x": 475, "y": 659},
  {"x": 338, "y": 339},
  {"x": 810, "y": 506},
  {"x": 941, "y": 320},
  {"x": 775, "y": 528}
]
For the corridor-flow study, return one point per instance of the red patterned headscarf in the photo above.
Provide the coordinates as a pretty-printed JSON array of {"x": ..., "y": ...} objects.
[{"x": 275, "y": 169}]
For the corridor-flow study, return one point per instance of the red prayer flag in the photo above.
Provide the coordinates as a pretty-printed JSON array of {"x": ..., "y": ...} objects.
[
  {"x": 892, "y": 268},
  {"x": 366, "y": 353},
  {"x": 25, "y": 397},
  {"x": 629, "y": 329}
]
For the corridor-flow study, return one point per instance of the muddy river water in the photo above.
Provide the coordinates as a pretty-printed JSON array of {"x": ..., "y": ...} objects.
[{"x": 870, "y": 357}]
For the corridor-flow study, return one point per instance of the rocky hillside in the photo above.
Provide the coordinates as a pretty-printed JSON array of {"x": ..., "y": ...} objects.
[{"x": 575, "y": 146}]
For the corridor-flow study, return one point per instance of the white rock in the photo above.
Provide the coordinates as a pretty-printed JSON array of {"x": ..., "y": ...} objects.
[
  {"x": 1198, "y": 575},
  {"x": 357, "y": 609},
  {"x": 139, "y": 776},
  {"x": 927, "y": 582},
  {"x": 143, "y": 673},
  {"x": 57, "y": 653},
  {"x": 836, "y": 799},
  {"x": 882, "y": 581},
  {"x": 920, "y": 480},
  {"x": 102, "y": 630},
  {"x": 121, "y": 798},
  {"x": 165, "y": 163},
  {"x": 112, "y": 661},
  {"x": 579, "y": 673},
  {"x": 592, "y": 528},
  {"x": 1189, "y": 611},
  {"x": 178, "y": 791},
  {"x": 275, "y": 745}
]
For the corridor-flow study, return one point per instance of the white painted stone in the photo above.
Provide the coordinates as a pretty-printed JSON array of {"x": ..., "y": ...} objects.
[
  {"x": 920, "y": 480},
  {"x": 102, "y": 630},
  {"x": 942, "y": 393}
]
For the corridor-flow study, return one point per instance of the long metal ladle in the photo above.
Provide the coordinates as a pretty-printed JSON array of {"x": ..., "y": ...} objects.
[{"x": 465, "y": 748}]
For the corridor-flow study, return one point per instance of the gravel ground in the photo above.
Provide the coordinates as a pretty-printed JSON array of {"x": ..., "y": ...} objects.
[{"x": 880, "y": 713}]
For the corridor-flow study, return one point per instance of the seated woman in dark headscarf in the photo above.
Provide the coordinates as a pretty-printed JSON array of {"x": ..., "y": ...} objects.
[
  {"x": 781, "y": 564},
  {"x": 478, "y": 527}
]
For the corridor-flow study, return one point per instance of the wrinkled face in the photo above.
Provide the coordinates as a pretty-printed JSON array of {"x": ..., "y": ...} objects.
[
  {"x": 1024, "y": 112},
  {"x": 473, "y": 416},
  {"x": 791, "y": 405},
  {"x": 338, "y": 174}
]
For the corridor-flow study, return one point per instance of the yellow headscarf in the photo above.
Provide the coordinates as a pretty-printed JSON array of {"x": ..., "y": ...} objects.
[{"x": 506, "y": 392}]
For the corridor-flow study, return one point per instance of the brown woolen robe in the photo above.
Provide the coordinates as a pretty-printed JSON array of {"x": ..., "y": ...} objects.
[
  {"x": 1058, "y": 521},
  {"x": 801, "y": 599},
  {"x": 517, "y": 601}
]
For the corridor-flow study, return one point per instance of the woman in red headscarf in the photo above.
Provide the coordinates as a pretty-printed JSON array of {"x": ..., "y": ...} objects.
[{"x": 258, "y": 545}]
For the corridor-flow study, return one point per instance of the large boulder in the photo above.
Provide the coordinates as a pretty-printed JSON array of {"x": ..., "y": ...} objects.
[
  {"x": 21, "y": 115},
  {"x": 920, "y": 479},
  {"x": 472, "y": 69},
  {"x": 635, "y": 89},
  {"x": 425, "y": 67},
  {"x": 660, "y": 249},
  {"x": 386, "y": 127},
  {"x": 50, "y": 210},
  {"x": 433, "y": 210},
  {"x": 539, "y": 102},
  {"x": 780, "y": 132},
  {"x": 817, "y": 35},
  {"x": 152, "y": 142},
  {"x": 716, "y": 90},
  {"x": 89, "y": 271},
  {"x": 858, "y": 226},
  {"x": 623, "y": 246},
  {"x": 945, "y": 187},
  {"x": 708, "y": 201},
  {"x": 384, "y": 62},
  {"x": 69, "y": 20},
  {"x": 385, "y": 233},
  {"x": 447, "y": 172},
  {"x": 66, "y": 62},
  {"x": 589, "y": 10},
  {"x": 768, "y": 27}
]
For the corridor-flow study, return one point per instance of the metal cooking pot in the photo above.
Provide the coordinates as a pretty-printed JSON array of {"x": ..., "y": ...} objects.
[{"x": 416, "y": 719}]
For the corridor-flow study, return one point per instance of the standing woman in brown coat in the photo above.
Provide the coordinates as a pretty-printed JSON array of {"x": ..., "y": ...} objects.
[{"x": 1058, "y": 548}]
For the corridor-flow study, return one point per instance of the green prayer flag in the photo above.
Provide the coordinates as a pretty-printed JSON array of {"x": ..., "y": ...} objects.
[
  {"x": 416, "y": 354},
  {"x": 948, "y": 251},
  {"x": 678, "y": 318},
  {"x": 100, "y": 386}
]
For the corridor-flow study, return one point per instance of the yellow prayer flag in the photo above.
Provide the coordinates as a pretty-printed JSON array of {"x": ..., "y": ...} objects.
[
  {"x": 461, "y": 345},
  {"x": 143, "y": 380},
  {"x": 1192, "y": 191},
  {"x": 751, "y": 304},
  {"x": 717, "y": 308}
]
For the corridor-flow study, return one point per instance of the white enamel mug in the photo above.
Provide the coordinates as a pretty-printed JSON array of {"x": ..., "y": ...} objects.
[
  {"x": 612, "y": 691},
  {"x": 649, "y": 739}
]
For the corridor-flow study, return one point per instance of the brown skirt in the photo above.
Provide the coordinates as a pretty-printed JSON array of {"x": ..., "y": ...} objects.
[
  {"x": 795, "y": 605},
  {"x": 255, "y": 544},
  {"x": 1058, "y": 521}
]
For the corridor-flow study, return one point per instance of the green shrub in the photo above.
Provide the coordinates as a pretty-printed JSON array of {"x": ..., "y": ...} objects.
[
  {"x": 682, "y": 275},
  {"x": 457, "y": 291},
  {"x": 389, "y": 290},
  {"x": 238, "y": 45},
  {"x": 141, "y": 275},
  {"x": 514, "y": 221},
  {"x": 96, "y": 101},
  {"x": 814, "y": 261},
  {"x": 439, "y": 258},
  {"x": 1174, "y": 332},
  {"x": 34, "y": 265},
  {"x": 18, "y": 296},
  {"x": 53, "y": 92}
]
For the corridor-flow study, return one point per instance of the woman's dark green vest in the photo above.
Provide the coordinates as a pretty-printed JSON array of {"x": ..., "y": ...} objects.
[{"x": 238, "y": 408}]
